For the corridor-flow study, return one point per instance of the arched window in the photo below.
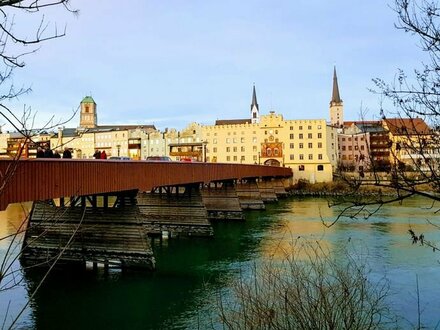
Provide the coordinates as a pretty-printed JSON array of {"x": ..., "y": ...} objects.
[
  {"x": 269, "y": 152},
  {"x": 275, "y": 152}
]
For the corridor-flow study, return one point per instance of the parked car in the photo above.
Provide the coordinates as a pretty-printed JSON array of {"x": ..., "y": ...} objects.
[
  {"x": 120, "y": 157},
  {"x": 159, "y": 159}
]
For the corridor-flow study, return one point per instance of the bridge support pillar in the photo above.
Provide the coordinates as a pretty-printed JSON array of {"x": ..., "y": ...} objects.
[
  {"x": 279, "y": 189},
  {"x": 249, "y": 195},
  {"x": 179, "y": 211},
  {"x": 267, "y": 191},
  {"x": 221, "y": 201},
  {"x": 86, "y": 232}
]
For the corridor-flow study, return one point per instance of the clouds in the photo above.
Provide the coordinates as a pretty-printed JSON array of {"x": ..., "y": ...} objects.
[{"x": 186, "y": 59}]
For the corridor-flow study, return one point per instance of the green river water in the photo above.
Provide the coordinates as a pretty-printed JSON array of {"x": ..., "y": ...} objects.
[{"x": 191, "y": 273}]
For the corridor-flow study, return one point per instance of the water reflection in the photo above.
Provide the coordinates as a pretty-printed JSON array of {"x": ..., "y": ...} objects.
[{"x": 190, "y": 272}]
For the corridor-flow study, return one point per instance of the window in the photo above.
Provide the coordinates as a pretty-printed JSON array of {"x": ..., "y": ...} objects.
[
  {"x": 319, "y": 126},
  {"x": 300, "y": 127},
  {"x": 362, "y": 147},
  {"x": 319, "y": 144},
  {"x": 356, "y": 147},
  {"x": 254, "y": 139},
  {"x": 344, "y": 157},
  {"x": 349, "y": 139},
  {"x": 228, "y": 158},
  {"x": 214, "y": 149},
  {"x": 291, "y": 128},
  {"x": 235, "y": 158},
  {"x": 228, "y": 140},
  {"x": 343, "y": 148},
  {"x": 291, "y": 136},
  {"x": 292, "y": 157},
  {"x": 310, "y": 145},
  {"x": 301, "y": 167},
  {"x": 343, "y": 139},
  {"x": 319, "y": 135},
  {"x": 350, "y": 157},
  {"x": 300, "y": 136},
  {"x": 301, "y": 156},
  {"x": 254, "y": 148},
  {"x": 309, "y": 136},
  {"x": 228, "y": 149},
  {"x": 255, "y": 158},
  {"x": 234, "y": 140},
  {"x": 242, "y": 140},
  {"x": 242, "y": 149},
  {"x": 242, "y": 158},
  {"x": 235, "y": 149},
  {"x": 291, "y": 146},
  {"x": 319, "y": 156},
  {"x": 320, "y": 167},
  {"x": 350, "y": 148},
  {"x": 309, "y": 127},
  {"x": 275, "y": 152},
  {"x": 269, "y": 152},
  {"x": 310, "y": 156},
  {"x": 301, "y": 145}
]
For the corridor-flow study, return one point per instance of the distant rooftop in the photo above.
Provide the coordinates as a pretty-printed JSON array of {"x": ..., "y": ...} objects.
[
  {"x": 88, "y": 99},
  {"x": 232, "y": 122}
]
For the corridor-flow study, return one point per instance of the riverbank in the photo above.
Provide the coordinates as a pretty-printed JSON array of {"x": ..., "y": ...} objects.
[{"x": 338, "y": 188}]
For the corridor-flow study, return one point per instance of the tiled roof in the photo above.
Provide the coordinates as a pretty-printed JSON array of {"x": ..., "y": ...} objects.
[
  {"x": 232, "y": 122},
  {"x": 407, "y": 126}
]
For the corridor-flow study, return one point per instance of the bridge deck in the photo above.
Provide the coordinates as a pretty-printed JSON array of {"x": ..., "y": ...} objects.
[{"x": 41, "y": 179}]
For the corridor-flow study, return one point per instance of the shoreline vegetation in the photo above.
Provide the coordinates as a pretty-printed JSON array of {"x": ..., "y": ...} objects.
[{"x": 340, "y": 187}]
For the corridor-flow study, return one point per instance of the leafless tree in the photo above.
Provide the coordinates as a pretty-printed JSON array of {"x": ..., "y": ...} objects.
[
  {"x": 16, "y": 43},
  {"x": 306, "y": 289},
  {"x": 414, "y": 160}
]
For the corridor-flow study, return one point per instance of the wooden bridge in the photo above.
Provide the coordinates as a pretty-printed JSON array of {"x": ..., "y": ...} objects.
[
  {"x": 106, "y": 209},
  {"x": 41, "y": 179}
]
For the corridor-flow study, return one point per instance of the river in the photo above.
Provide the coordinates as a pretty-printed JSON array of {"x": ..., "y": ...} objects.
[{"x": 182, "y": 293}]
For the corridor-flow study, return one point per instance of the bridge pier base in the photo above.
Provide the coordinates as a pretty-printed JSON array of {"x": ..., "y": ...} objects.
[
  {"x": 249, "y": 195},
  {"x": 175, "y": 211},
  {"x": 221, "y": 201},
  {"x": 267, "y": 191},
  {"x": 85, "y": 231}
]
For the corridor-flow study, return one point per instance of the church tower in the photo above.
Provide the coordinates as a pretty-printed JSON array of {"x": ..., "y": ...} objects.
[
  {"x": 255, "y": 111},
  {"x": 88, "y": 116},
  {"x": 336, "y": 104}
]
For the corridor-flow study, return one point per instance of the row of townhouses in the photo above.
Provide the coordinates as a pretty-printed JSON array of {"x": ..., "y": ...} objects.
[{"x": 313, "y": 148}]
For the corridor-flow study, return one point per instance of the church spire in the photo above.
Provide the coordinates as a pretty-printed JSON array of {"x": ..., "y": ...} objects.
[
  {"x": 335, "y": 93},
  {"x": 254, "y": 99},
  {"x": 255, "y": 111}
]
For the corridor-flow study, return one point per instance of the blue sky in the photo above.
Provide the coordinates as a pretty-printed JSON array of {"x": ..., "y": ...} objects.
[{"x": 173, "y": 62}]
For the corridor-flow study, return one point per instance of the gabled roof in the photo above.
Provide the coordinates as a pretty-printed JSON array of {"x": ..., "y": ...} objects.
[
  {"x": 232, "y": 122},
  {"x": 407, "y": 126}
]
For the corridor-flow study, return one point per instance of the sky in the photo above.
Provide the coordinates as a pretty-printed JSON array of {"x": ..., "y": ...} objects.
[{"x": 170, "y": 63}]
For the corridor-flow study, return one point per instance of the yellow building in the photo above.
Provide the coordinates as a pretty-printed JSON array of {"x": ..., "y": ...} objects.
[{"x": 307, "y": 146}]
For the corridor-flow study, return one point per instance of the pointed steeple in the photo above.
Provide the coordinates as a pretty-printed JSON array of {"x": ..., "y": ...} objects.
[
  {"x": 335, "y": 93},
  {"x": 254, "y": 99},
  {"x": 255, "y": 111}
]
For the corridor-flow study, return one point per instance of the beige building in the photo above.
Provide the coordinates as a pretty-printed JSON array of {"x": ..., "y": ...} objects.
[{"x": 308, "y": 146}]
